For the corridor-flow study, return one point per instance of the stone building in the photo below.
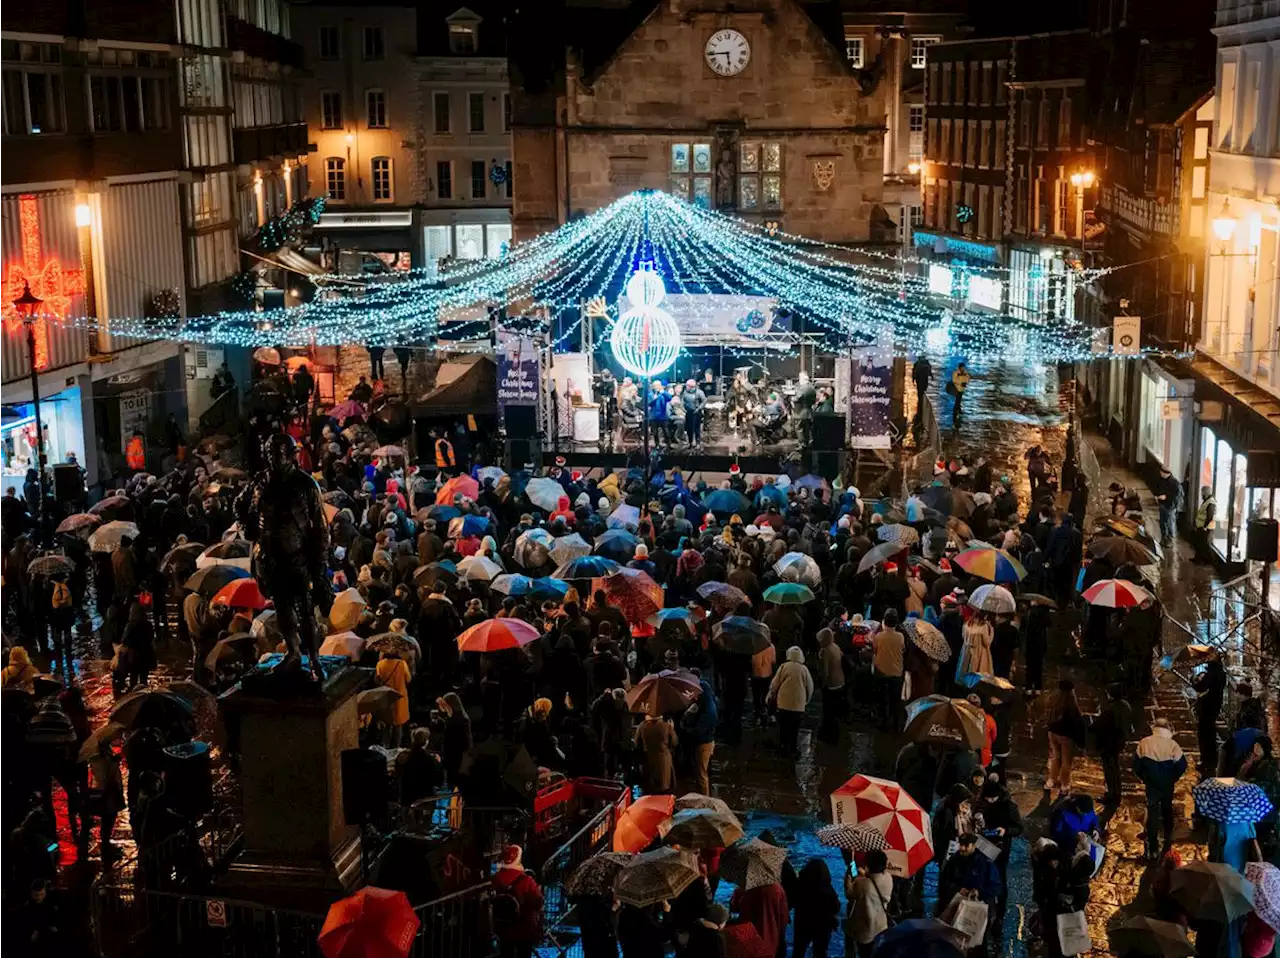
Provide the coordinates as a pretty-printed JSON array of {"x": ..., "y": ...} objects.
[{"x": 752, "y": 109}]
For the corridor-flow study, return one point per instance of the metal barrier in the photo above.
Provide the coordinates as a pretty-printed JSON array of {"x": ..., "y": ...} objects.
[
  {"x": 920, "y": 467},
  {"x": 455, "y": 926},
  {"x": 594, "y": 837}
]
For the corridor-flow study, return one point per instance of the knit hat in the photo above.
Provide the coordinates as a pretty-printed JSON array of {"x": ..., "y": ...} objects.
[{"x": 642, "y": 551}]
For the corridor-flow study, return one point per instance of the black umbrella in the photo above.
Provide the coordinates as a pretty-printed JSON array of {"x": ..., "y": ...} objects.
[
  {"x": 152, "y": 707},
  {"x": 594, "y": 878},
  {"x": 339, "y": 498},
  {"x": 391, "y": 421},
  {"x": 737, "y": 633},
  {"x": 434, "y": 572},
  {"x": 497, "y": 773},
  {"x": 211, "y": 578},
  {"x": 181, "y": 557}
]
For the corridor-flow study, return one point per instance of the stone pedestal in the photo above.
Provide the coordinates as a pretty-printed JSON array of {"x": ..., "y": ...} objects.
[{"x": 298, "y": 851}]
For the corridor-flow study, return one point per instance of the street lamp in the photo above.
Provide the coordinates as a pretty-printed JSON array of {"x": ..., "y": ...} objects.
[
  {"x": 1224, "y": 224},
  {"x": 28, "y": 307}
]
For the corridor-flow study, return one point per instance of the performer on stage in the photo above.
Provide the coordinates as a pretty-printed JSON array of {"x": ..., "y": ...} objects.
[
  {"x": 658, "y": 419},
  {"x": 695, "y": 401},
  {"x": 802, "y": 409},
  {"x": 608, "y": 392},
  {"x": 772, "y": 417},
  {"x": 675, "y": 414}
]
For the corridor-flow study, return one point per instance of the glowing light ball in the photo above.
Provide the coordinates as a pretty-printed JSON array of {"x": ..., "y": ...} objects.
[{"x": 645, "y": 339}]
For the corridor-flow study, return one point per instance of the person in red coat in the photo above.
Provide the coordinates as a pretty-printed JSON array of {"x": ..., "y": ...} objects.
[
  {"x": 766, "y": 908},
  {"x": 517, "y": 911}
]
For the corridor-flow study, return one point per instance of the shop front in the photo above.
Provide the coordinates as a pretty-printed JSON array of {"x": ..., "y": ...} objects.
[
  {"x": 1042, "y": 282},
  {"x": 1239, "y": 460},
  {"x": 464, "y": 234},
  {"x": 62, "y": 418},
  {"x": 1165, "y": 420}
]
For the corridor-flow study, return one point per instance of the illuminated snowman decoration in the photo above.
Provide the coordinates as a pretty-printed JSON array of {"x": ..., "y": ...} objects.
[{"x": 645, "y": 339}]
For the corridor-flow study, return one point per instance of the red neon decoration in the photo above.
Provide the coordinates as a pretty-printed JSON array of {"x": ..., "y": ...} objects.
[{"x": 49, "y": 281}]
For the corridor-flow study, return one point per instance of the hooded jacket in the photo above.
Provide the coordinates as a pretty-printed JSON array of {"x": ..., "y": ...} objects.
[
  {"x": 699, "y": 722},
  {"x": 1159, "y": 762},
  {"x": 792, "y": 685}
]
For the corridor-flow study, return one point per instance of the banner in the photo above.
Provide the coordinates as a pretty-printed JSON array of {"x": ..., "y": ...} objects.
[
  {"x": 1126, "y": 335},
  {"x": 870, "y": 396},
  {"x": 517, "y": 370}
]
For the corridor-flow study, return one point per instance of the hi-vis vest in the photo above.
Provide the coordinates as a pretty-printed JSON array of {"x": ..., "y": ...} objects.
[
  {"x": 135, "y": 454},
  {"x": 1202, "y": 514},
  {"x": 444, "y": 454}
]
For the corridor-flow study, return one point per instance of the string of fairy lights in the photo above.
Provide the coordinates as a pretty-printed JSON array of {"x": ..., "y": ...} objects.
[{"x": 843, "y": 303}]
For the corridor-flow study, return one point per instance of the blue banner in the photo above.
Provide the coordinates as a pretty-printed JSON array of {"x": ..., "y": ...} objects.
[{"x": 517, "y": 370}]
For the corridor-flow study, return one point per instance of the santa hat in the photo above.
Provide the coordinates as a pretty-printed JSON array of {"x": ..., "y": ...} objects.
[
  {"x": 891, "y": 568},
  {"x": 561, "y": 461},
  {"x": 944, "y": 565},
  {"x": 575, "y": 476},
  {"x": 735, "y": 469},
  {"x": 949, "y": 601},
  {"x": 511, "y": 857},
  {"x": 939, "y": 467}
]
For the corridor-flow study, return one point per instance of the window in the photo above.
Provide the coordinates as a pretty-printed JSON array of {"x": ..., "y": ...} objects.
[
  {"x": 475, "y": 112},
  {"x": 985, "y": 151},
  {"x": 760, "y": 176},
  {"x": 987, "y": 92},
  {"x": 1064, "y": 121},
  {"x": 108, "y": 112},
  {"x": 919, "y": 48},
  {"x": 507, "y": 182},
  {"x": 506, "y": 113},
  {"x": 1226, "y": 104},
  {"x": 853, "y": 51},
  {"x": 497, "y": 239},
  {"x": 691, "y": 171},
  {"x": 462, "y": 38},
  {"x": 335, "y": 177},
  {"x": 329, "y": 43},
  {"x": 444, "y": 180},
  {"x": 470, "y": 241},
  {"x": 375, "y": 102},
  {"x": 477, "y": 180},
  {"x": 33, "y": 102},
  {"x": 330, "y": 110},
  {"x": 944, "y": 143},
  {"x": 380, "y": 170},
  {"x": 373, "y": 43},
  {"x": 932, "y": 85},
  {"x": 440, "y": 103},
  {"x": 971, "y": 143},
  {"x": 1249, "y": 118},
  {"x": 915, "y": 130},
  {"x": 1042, "y": 124},
  {"x": 997, "y": 159}
]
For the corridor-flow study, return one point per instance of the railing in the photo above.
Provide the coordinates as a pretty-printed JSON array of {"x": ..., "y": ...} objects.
[
  {"x": 455, "y": 926},
  {"x": 920, "y": 467},
  {"x": 1087, "y": 462},
  {"x": 592, "y": 838}
]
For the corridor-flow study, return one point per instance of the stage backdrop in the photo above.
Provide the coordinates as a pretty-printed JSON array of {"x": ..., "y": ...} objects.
[
  {"x": 517, "y": 370},
  {"x": 870, "y": 395},
  {"x": 708, "y": 319}
]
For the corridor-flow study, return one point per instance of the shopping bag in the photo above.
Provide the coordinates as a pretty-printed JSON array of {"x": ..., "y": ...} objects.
[
  {"x": 1097, "y": 853},
  {"x": 988, "y": 848},
  {"x": 971, "y": 919},
  {"x": 906, "y": 686},
  {"x": 1073, "y": 933}
]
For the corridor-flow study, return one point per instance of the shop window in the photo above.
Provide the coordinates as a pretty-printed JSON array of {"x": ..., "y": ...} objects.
[
  {"x": 760, "y": 175},
  {"x": 438, "y": 242},
  {"x": 853, "y": 51},
  {"x": 335, "y": 175},
  {"x": 33, "y": 103},
  {"x": 1239, "y": 507},
  {"x": 915, "y": 130},
  {"x": 497, "y": 239},
  {"x": 380, "y": 174},
  {"x": 470, "y": 242}
]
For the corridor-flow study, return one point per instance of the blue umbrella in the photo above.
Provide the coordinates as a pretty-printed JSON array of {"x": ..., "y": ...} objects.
[
  {"x": 623, "y": 515},
  {"x": 812, "y": 482},
  {"x": 768, "y": 494},
  {"x": 546, "y": 587},
  {"x": 586, "y": 567},
  {"x": 663, "y": 616},
  {"x": 920, "y": 938},
  {"x": 443, "y": 513},
  {"x": 473, "y": 525},
  {"x": 1231, "y": 801},
  {"x": 617, "y": 544},
  {"x": 725, "y": 502}
]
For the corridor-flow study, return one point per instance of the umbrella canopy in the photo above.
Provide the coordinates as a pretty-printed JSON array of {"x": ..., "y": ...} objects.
[
  {"x": 397, "y": 452},
  {"x": 1116, "y": 594},
  {"x": 53, "y": 564},
  {"x": 434, "y": 572},
  {"x": 1265, "y": 878},
  {"x": 241, "y": 594},
  {"x": 594, "y": 878},
  {"x": 939, "y": 720},
  {"x": 920, "y": 938},
  {"x": 698, "y": 800},
  {"x": 478, "y": 568},
  {"x": 927, "y": 638},
  {"x": 343, "y": 643},
  {"x": 113, "y": 507},
  {"x": 490, "y": 472},
  {"x": 1142, "y": 935},
  {"x": 638, "y": 826},
  {"x": 701, "y": 828},
  {"x": 533, "y": 548},
  {"x": 1188, "y": 655},
  {"x": 495, "y": 635},
  {"x": 1211, "y": 891},
  {"x": 107, "y": 537},
  {"x": 443, "y": 513},
  {"x": 660, "y": 693},
  {"x": 229, "y": 474},
  {"x": 898, "y": 533},
  {"x": 617, "y": 544},
  {"x": 994, "y": 565},
  {"x": 1231, "y": 801},
  {"x": 339, "y": 498},
  {"x": 742, "y": 940},
  {"x": 181, "y": 557},
  {"x": 378, "y": 701},
  {"x": 358, "y": 432},
  {"x": 623, "y": 515},
  {"x": 346, "y": 410},
  {"x": 239, "y": 646},
  {"x": 725, "y": 502},
  {"x": 1121, "y": 550},
  {"x": 567, "y": 548},
  {"x": 752, "y": 863},
  {"x": 586, "y": 567},
  {"x": 398, "y": 642},
  {"x": 788, "y": 593},
  {"x": 82, "y": 523},
  {"x": 634, "y": 594},
  {"x": 544, "y": 492},
  {"x": 989, "y": 686},
  {"x": 347, "y": 608},
  {"x": 469, "y": 525},
  {"x": 880, "y": 554},
  {"x": 724, "y": 598},
  {"x": 886, "y": 807},
  {"x": 683, "y": 617},
  {"x": 372, "y": 923},
  {"x": 463, "y": 486},
  {"x": 212, "y": 578},
  {"x": 150, "y": 706},
  {"x": 1035, "y": 598},
  {"x": 655, "y": 876},
  {"x": 267, "y": 355},
  {"x": 798, "y": 567},
  {"x": 236, "y": 552},
  {"x": 738, "y": 633},
  {"x": 92, "y": 746},
  {"x": 812, "y": 482},
  {"x": 993, "y": 598},
  {"x": 856, "y": 838}
]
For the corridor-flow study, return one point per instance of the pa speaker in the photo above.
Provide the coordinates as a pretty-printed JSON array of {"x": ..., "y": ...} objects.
[
  {"x": 1262, "y": 540},
  {"x": 827, "y": 463},
  {"x": 366, "y": 786},
  {"x": 68, "y": 486},
  {"x": 523, "y": 450},
  {"x": 828, "y": 430},
  {"x": 188, "y": 775},
  {"x": 522, "y": 421}
]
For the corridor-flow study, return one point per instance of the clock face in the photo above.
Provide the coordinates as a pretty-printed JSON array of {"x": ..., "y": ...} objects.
[{"x": 727, "y": 52}]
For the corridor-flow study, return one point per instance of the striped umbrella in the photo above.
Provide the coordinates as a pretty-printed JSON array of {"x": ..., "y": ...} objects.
[
  {"x": 496, "y": 635},
  {"x": 788, "y": 593},
  {"x": 1231, "y": 801},
  {"x": 856, "y": 838},
  {"x": 1116, "y": 594},
  {"x": 994, "y": 565},
  {"x": 886, "y": 807}
]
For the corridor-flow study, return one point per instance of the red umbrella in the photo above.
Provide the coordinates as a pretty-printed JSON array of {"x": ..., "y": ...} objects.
[
  {"x": 458, "y": 485},
  {"x": 372, "y": 923},
  {"x": 634, "y": 593},
  {"x": 1116, "y": 594},
  {"x": 640, "y": 823},
  {"x": 241, "y": 594},
  {"x": 744, "y": 941},
  {"x": 496, "y": 635}
]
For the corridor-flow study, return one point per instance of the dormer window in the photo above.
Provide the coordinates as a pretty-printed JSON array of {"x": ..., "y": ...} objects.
[{"x": 464, "y": 31}]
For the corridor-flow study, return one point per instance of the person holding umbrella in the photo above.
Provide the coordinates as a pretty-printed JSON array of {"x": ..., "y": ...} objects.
[{"x": 656, "y": 739}]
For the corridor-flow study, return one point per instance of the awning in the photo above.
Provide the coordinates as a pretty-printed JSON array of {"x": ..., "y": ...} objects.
[{"x": 473, "y": 392}]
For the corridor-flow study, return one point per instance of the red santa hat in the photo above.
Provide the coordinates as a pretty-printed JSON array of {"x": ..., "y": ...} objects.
[
  {"x": 891, "y": 568},
  {"x": 575, "y": 476},
  {"x": 944, "y": 565},
  {"x": 939, "y": 467},
  {"x": 561, "y": 461},
  {"x": 511, "y": 856},
  {"x": 735, "y": 469}
]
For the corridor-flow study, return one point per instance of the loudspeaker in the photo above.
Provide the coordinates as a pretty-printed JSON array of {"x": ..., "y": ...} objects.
[
  {"x": 828, "y": 430},
  {"x": 1262, "y": 540},
  {"x": 523, "y": 450},
  {"x": 826, "y": 463},
  {"x": 68, "y": 486},
  {"x": 522, "y": 421},
  {"x": 188, "y": 776},
  {"x": 366, "y": 786}
]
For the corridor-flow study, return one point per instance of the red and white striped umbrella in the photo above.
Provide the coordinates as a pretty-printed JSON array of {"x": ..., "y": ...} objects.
[
  {"x": 886, "y": 807},
  {"x": 1116, "y": 594}
]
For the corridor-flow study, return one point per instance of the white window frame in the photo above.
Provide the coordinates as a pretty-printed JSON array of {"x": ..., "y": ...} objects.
[
  {"x": 335, "y": 171},
  {"x": 915, "y": 132},
  {"x": 368, "y": 109},
  {"x": 855, "y": 52},
  {"x": 373, "y": 180},
  {"x": 471, "y": 127},
  {"x": 920, "y": 50}
]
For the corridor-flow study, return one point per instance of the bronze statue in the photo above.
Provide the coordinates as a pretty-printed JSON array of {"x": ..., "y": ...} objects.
[
  {"x": 282, "y": 513},
  {"x": 726, "y": 176}
]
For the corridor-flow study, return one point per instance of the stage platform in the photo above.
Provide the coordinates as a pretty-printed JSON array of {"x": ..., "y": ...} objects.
[{"x": 766, "y": 462}]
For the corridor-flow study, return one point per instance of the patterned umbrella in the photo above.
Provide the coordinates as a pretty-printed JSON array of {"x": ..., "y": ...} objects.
[
  {"x": 939, "y": 720},
  {"x": 993, "y": 598},
  {"x": 738, "y": 633},
  {"x": 638, "y": 825},
  {"x": 798, "y": 567},
  {"x": 633, "y": 593},
  {"x": 468, "y": 525},
  {"x": 1035, "y": 598},
  {"x": 701, "y": 828},
  {"x": 495, "y": 635},
  {"x": 698, "y": 800},
  {"x": 376, "y": 701},
  {"x": 898, "y": 533},
  {"x": 1116, "y": 594},
  {"x": 886, "y": 807},
  {"x": 1266, "y": 890},
  {"x": 624, "y": 515},
  {"x": 569, "y": 547},
  {"x": 788, "y": 593},
  {"x": 594, "y": 878},
  {"x": 617, "y": 544},
  {"x": 857, "y": 838},
  {"x": 533, "y": 548},
  {"x": 1142, "y": 935},
  {"x": 210, "y": 579},
  {"x": 82, "y": 523},
  {"x": 115, "y": 507},
  {"x": 241, "y": 594},
  {"x": 1192, "y": 655},
  {"x": 724, "y": 598},
  {"x": 751, "y": 863},
  {"x": 464, "y": 486},
  {"x": 661, "y": 693},
  {"x": 881, "y": 553},
  {"x": 927, "y": 638},
  {"x": 656, "y": 876},
  {"x": 267, "y": 355},
  {"x": 994, "y": 565},
  {"x": 1211, "y": 891},
  {"x": 1231, "y": 801},
  {"x": 390, "y": 452},
  {"x": 54, "y": 564},
  {"x": 586, "y": 567},
  {"x": 399, "y": 642},
  {"x": 107, "y": 538},
  {"x": 544, "y": 493},
  {"x": 181, "y": 557},
  {"x": 478, "y": 568},
  {"x": 989, "y": 686},
  {"x": 1121, "y": 550}
]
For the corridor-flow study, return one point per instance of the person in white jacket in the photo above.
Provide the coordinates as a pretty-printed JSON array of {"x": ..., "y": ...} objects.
[{"x": 790, "y": 691}]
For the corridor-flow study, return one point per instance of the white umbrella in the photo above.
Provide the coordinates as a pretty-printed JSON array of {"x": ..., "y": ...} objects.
[
  {"x": 343, "y": 643},
  {"x": 107, "y": 538},
  {"x": 993, "y": 598},
  {"x": 798, "y": 567},
  {"x": 570, "y": 547},
  {"x": 544, "y": 493},
  {"x": 624, "y": 515},
  {"x": 267, "y": 356},
  {"x": 235, "y": 552},
  {"x": 478, "y": 568}
]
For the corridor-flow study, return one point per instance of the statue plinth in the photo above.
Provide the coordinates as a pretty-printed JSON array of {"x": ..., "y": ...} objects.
[{"x": 298, "y": 850}]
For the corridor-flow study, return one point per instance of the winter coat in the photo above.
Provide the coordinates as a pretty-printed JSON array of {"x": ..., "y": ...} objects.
[
  {"x": 520, "y": 885},
  {"x": 831, "y": 665},
  {"x": 1159, "y": 763},
  {"x": 394, "y": 674},
  {"x": 699, "y": 723},
  {"x": 975, "y": 871},
  {"x": 657, "y": 740},
  {"x": 792, "y": 685},
  {"x": 976, "y": 654},
  {"x": 767, "y": 909},
  {"x": 868, "y": 914}
]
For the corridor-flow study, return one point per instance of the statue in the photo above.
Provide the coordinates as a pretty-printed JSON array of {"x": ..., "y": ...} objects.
[
  {"x": 725, "y": 180},
  {"x": 282, "y": 513}
]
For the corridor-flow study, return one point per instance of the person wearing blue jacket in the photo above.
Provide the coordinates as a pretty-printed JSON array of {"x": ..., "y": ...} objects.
[
  {"x": 658, "y": 400},
  {"x": 698, "y": 728},
  {"x": 1159, "y": 763},
  {"x": 1072, "y": 816}
]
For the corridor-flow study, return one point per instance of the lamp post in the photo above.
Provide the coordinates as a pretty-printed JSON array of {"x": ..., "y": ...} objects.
[{"x": 28, "y": 307}]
